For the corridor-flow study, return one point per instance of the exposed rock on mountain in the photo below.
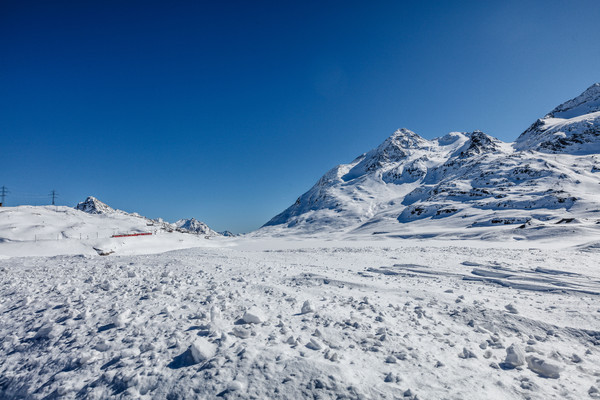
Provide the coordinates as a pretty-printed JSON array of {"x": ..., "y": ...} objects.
[{"x": 92, "y": 205}]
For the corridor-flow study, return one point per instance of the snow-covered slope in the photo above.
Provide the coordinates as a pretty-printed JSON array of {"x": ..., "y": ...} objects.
[
  {"x": 465, "y": 184},
  {"x": 94, "y": 206},
  {"x": 88, "y": 229},
  {"x": 573, "y": 127}
]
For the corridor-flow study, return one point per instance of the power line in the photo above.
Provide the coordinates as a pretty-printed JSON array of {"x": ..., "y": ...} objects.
[
  {"x": 26, "y": 194},
  {"x": 54, "y": 195},
  {"x": 3, "y": 193}
]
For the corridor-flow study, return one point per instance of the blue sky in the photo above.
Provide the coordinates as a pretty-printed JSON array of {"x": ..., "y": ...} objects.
[{"x": 228, "y": 111}]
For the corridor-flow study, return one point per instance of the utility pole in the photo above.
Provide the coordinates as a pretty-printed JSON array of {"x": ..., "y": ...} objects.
[
  {"x": 54, "y": 195},
  {"x": 3, "y": 192}
]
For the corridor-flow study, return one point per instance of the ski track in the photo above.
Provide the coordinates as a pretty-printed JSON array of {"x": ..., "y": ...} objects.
[{"x": 381, "y": 322}]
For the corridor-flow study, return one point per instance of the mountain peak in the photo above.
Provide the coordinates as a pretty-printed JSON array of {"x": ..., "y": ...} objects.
[
  {"x": 396, "y": 146},
  {"x": 479, "y": 143},
  {"x": 393, "y": 149},
  {"x": 92, "y": 205},
  {"x": 192, "y": 225},
  {"x": 403, "y": 138},
  {"x": 587, "y": 102},
  {"x": 404, "y": 132}
]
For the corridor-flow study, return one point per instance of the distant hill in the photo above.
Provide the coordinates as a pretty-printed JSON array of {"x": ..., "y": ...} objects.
[
  {"x": 89, "y": 229},
  {"x": 92, "y": 205}
]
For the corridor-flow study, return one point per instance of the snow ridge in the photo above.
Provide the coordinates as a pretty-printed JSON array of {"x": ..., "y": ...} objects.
[
  {"x": 586, "y": 103},
  {"x": 573, "y": 127}
]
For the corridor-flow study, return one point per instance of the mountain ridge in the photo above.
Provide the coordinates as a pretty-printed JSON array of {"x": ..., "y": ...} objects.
[
  {"x": 467, "y": 179},
  {"x": 91, "y": 205}
]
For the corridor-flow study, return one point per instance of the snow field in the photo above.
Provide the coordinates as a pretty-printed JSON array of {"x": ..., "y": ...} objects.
[{"x": 352, "y": 321}]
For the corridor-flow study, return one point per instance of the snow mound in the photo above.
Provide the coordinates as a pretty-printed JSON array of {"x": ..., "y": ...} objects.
[{"x": 543, "y": 368}]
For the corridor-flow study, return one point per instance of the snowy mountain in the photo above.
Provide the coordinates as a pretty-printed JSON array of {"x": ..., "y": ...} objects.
[
  {"x": 465, "y": 184},
  {"x": 92, "y": 205},
  {"x": 92, "y": 227},
  {"x": 573, "y": 127},
  {"x": 194, "y": 226}
]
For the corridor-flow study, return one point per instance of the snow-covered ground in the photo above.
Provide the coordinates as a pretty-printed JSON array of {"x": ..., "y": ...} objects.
[
  {"x": 287, "y": 318},
  {"x": 50, "y": 230}
]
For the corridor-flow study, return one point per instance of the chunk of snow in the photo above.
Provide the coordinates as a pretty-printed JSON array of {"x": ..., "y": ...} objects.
[
  {"x": 514, "y": 356},
  {"x": 235, "y": 386},
  {"x": 511, "y": 309},
  {"x": 121, "y": 318},
  {"x": 215, "y": 314},
  {"x": 253, "y": 316},
  {"x": 241, "y": 332},
  {"x": 314, "y": 345},
  {"x": 202, "y": 350},
  {"x": 466, "y": 353},
  {"x": 543, "y": 368},
  {"x": 307, "y": 307},
  {"x": 47, "y": 331}
]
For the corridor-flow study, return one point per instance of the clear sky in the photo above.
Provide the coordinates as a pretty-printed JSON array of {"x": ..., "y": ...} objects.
[{"x": 228, "y": 111}]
